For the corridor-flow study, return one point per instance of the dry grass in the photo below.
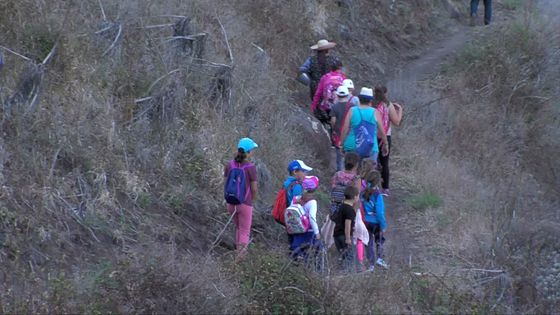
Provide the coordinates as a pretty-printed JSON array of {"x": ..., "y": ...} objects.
[
  {"x": 487, "y": 153},
  {"x": 111, "y": 182}
]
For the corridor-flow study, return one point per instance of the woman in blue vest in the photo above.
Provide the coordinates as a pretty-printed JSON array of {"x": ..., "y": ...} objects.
[{"x": 356, "y": 116}]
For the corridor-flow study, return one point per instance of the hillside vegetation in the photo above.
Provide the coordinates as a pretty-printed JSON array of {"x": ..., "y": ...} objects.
[{"x": 118, "y": 116}]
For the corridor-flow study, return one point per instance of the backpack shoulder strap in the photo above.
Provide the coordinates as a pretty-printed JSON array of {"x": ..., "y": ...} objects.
[{"x": 360, "y": 112}]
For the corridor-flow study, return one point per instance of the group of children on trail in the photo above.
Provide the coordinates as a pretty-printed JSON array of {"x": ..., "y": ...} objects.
[{"x": 360, "y": 128}]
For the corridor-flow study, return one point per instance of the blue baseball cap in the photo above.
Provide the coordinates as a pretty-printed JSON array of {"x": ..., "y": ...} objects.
[
  {"x": 298, "y": 165},
  {"x": 247, "y": 144}
]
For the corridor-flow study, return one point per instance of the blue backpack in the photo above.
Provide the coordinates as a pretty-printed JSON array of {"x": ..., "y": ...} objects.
[
  {"x": 365, "y": 132},
  {"x": 235, "y": 188}
]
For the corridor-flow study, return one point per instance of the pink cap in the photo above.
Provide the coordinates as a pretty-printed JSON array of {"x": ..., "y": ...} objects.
[{"x": 310, "y": 183}]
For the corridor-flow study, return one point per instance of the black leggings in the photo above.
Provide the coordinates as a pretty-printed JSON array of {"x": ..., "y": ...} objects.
[{"x": 384, "y": 164}]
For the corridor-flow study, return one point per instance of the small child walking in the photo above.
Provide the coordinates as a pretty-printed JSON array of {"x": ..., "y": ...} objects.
[
  {"x": 239, "y": 199},
  {"x": 376, "y": 224},
  {"x": 345, "y": 220}
]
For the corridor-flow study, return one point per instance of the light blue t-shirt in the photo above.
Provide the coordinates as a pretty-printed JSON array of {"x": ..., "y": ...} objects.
[
  {"x": 368, "y": 114},
  {"x": 297, "y": 189},
  {"x": 379, "y": 206}
]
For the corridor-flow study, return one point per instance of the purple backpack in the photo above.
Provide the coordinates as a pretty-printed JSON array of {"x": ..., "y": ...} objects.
[{"x": 235, "y": 188}]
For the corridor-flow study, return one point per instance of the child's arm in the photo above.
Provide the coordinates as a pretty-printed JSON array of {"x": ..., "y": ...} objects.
[
  {"x": 312, "y": 206},
  {"x": 380, "y": 209},
  {"x": 345, "y": 127},
  {"x": 395, "y": 113},
  {"x": 348, "y": 231},
  {"x": 254, "y": 189}
]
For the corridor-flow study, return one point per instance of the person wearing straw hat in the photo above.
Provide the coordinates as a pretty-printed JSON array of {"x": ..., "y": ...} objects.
[{"x": 318, "y": 65}]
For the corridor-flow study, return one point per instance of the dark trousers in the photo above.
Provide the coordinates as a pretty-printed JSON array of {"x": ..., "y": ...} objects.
[
  {"x": 300, "y": 244},
  {"x": 376, "y": 240},
  {"x": 384, "y": 164},
  {"x": 487, "y": 10},
  {"x": 346, "y": 252}
]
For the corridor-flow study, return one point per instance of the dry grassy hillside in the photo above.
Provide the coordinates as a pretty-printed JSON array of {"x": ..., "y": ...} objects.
[
  {"x": 481, "y": 163},
  {"x": 116, "y": 119}
]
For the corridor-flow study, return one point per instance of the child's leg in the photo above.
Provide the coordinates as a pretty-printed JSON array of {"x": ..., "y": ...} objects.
[
  {"x": 360, "y": 251},
  {"x": 244, "y": 220},
  {"x": 379, "y": 240},
  {"x": 379, "y": 244},
  {"x": 371, "y": 245},
  {"x": 232, "y": 211}
]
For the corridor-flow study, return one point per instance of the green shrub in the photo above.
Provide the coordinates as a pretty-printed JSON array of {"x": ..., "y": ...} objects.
[{"x": 425, "y": 200}]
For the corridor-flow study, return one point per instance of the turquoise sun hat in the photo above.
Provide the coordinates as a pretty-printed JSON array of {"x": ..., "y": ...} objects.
[{"x": 247, "y": 144}]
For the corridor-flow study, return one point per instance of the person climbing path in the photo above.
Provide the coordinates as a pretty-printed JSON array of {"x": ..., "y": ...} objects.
[
  {"x": 487, "y": 11},
  {"x": 240, "y": 189},
  {"x": 338, "y": 112},
  {"x": 302, "y": 243},
  {"x": 325, "y": 95},
  {"x": 362, "y": 127},
  {"x": 318, "y": 65},
  {"x": 345, "y": 220},
  {"x": 352, "y": 98},
  {"x": 375, "y": 221},
  {"x": 391, "y": 114}
]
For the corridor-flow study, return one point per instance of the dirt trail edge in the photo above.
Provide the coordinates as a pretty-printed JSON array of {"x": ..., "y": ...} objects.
[{"x": 402, "y": 246}]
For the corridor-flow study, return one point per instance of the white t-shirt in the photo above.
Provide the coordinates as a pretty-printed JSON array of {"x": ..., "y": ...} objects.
[{"x": 311, "y": 208}]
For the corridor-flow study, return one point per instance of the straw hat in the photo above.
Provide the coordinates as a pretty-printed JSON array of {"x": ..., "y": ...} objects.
[{"x": 323, "y": 44}]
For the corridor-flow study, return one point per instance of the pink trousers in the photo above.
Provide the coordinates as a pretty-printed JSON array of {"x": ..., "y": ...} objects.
[
  {"x": 360, "y": 250},
  {"x": 242, "y": 219}
]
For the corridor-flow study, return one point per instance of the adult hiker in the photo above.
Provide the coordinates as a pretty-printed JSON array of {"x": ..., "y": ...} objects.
[
  {"x": 338, "y": 112},
  {"x": 487, "y": 11},
  {"x": 318, "y": 65},
  {"x": 325, "y": 95},
  {"x": 301, "y": 243},
  {"x": 391, "y": 114},
  {"x": 352, "y": 98},
  {"x": 362, "y": 127},
  {"x": 376, "y": 224},
  {"x": 240, "y": 189}
]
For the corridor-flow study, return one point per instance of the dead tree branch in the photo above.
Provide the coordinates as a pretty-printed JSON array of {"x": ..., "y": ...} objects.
[
  {"x": 15, "y": 53},
  {"x": 226, "y": 38},
  {"x": 114, "y": 41}
]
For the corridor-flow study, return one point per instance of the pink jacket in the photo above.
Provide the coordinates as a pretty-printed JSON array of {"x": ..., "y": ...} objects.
[{"x": 333, "y": 78}]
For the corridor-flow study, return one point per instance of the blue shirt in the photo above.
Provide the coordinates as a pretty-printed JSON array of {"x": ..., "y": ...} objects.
[
  {"x": 306, "y": 67},
  {"x": 379, "y": 217},
  {"x": 368, "y": 114},
  {"x": 297, "y": 189}
]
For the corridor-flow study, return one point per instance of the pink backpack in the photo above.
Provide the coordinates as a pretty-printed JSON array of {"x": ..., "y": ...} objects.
[{"x": 329, "y": 95}]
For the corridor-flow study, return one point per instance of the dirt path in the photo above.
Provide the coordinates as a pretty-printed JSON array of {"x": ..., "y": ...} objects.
[{"x": 403, "y": 247}]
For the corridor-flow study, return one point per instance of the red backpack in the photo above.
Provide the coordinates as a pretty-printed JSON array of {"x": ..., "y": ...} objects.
[{"x": 281, "y": 203}]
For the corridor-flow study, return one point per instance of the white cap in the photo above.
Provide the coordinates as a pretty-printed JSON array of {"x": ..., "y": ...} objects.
[
  {"x": 367, "y": 93},
  {"x": 298, "y": 165},
  {"x": 348, "y": 83},
  {"x": 342, "y": 91}
]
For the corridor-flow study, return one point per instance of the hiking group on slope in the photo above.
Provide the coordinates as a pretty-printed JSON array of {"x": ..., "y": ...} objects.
[{"x": 360, "y": 133}]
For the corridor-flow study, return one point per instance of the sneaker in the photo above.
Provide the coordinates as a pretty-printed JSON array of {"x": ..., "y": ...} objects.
[
  {"x": 385, "y": 192},
  {"x": 382, "y": 263},
  {"x": 371, "y": 268}
]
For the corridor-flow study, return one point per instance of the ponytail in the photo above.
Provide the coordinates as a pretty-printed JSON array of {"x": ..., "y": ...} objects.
[
  {"x": 241, "y": 156},
  {"x": 380, "y": 95},
  {"x": 373, "y": 179}
]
